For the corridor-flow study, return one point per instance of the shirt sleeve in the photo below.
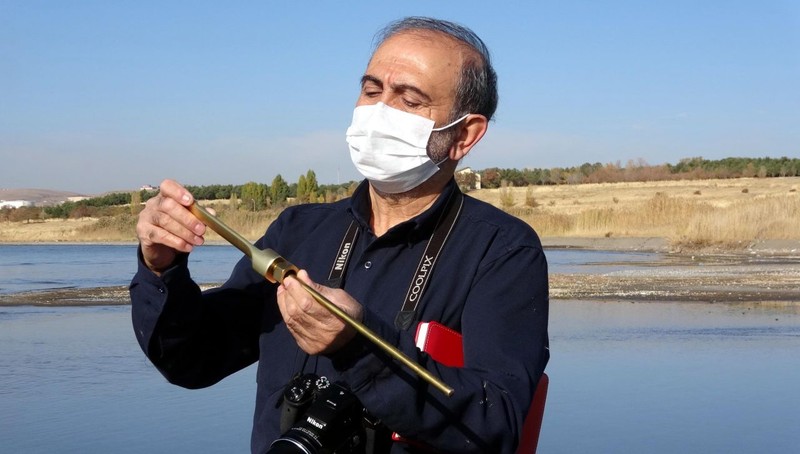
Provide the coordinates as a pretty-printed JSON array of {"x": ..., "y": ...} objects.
[
  {"x": 504, "y": 328},
  {"x": 195, "y": 338}
]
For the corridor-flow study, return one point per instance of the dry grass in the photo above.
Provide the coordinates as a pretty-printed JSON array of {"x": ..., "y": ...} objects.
[
  {"x": 249, "y": 224},
  {"x": 690, "y": 214},
  {"x": 51, "y": 230},
  {"x": 121, "y": 228}
]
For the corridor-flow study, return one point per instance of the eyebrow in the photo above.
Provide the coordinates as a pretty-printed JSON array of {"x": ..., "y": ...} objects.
[{"x": 397, "y": 87}]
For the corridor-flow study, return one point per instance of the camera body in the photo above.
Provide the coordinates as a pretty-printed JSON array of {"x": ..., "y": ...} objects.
[{"x": 319, "y": 417}]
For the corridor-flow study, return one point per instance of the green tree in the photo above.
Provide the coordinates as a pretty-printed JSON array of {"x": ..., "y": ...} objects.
[
  {"x": 312, "y": 187},
  {"x": 254, "y": 196},
  {"x": 279, "y": 190},
  {"x": 302, "y": 190},
  {"x": 61, "y": 210}
]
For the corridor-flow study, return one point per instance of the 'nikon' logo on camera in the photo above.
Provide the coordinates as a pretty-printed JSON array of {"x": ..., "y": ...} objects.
[
  {"x": 419, "y": 281},
  {"x": 315, "y": 423}
]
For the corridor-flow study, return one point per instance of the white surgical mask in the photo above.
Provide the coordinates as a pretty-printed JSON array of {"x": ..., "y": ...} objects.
[{"x": 389, "y": 147}]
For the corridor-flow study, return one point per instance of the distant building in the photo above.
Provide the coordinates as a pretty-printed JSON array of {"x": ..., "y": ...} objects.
[
  {"x": 147, "y": 187},
  {"x": 468, "y": 179},
  {"x": 15, "y": 203},
  {"x": 77, "y": 198}
]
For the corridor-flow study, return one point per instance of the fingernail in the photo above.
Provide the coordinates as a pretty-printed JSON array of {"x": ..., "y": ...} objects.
[{"x": 186, "y": 198}]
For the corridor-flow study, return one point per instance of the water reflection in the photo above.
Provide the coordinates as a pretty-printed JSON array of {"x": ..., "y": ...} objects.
[
  {"x": 677, "y": 377},
  {"x": 625, "y": 377}
]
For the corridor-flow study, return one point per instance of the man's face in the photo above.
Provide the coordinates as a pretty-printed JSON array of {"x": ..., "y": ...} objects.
[{"x": 416, "y": 72}]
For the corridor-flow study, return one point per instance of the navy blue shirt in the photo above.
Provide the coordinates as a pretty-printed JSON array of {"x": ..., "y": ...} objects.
[{"x": 489, "y": 283}]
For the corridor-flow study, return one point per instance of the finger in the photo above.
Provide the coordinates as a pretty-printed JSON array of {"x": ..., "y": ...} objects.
[
  {"x": 174, "y": 190},
  {"x": 177, "y": 212},
  {"x": 158, "y": 236},
  {"x": 300, "y": 306},
  {"x": 314, "y": 328},
  {"x": 156, "y": 226},
  {"x": 338, "y": 297},
  {"x": 301, "y": 301},
  {"x": 297, "y": 321},
  {"x": 302, "y": 276}
]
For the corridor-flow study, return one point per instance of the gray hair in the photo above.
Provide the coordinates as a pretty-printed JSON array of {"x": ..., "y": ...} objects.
[{"x": 476, "y": 90}]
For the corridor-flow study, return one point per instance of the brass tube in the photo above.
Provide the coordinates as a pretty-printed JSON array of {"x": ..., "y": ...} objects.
[
  {"x": 275, "y": 268},
  {"x": 266, "y": 262},
  {"x": 377, "y": 340}
]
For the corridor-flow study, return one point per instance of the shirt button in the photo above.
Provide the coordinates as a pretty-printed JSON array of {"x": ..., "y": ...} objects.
[{"x": 368, "y": 265}]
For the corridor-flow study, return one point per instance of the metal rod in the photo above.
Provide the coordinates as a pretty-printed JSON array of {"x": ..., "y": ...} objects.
[
  {"x": 275, "y": 268},
  {"x": 265, "y": 261},
  {"x": 377, "y": 340}
]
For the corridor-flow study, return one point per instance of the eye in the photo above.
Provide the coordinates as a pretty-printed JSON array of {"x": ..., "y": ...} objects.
[
  {"x": 371, "y": 92},
  {"x": 370, "y": 89},
  {"x": 411, "y": 104}
]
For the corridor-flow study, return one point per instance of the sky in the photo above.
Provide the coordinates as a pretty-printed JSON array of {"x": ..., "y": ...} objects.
[{"x": 99, "y": 96}]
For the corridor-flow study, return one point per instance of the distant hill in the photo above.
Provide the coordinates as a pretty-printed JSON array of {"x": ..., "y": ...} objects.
[{"x": 40, "y": 197}]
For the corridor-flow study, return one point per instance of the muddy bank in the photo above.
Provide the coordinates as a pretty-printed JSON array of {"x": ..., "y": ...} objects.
[
  {"x": 662, "y": 245},
  {"x": 769, "y": 280},
  {"x": 97, "y": 296}
]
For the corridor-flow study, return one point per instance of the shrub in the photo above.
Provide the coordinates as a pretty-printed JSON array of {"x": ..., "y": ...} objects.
[
  {"x": 530, "y": 200},
  {"x": 506, "y": 195}
]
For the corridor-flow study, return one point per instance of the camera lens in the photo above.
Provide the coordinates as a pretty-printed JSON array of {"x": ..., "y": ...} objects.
[
  {"x": 289, "y": 446},
  {"x": 331, "y": 424}
]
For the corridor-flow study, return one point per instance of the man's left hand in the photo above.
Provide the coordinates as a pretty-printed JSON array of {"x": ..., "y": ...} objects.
[{"x": 316, "y": 330}]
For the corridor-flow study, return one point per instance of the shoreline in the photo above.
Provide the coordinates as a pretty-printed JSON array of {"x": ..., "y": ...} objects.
[
  {"x": 765, "y": 272},
  {"x": 642, "y": 244},
  {"x": 765, "y": 280},
  {"x": 563, "y": 288}
]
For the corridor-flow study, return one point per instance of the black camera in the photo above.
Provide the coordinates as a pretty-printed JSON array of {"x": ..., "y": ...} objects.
[{"x": 319, "y": 417}]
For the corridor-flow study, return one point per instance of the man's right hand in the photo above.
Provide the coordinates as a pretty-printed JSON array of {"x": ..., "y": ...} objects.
[{"x": 166, "y": 226}]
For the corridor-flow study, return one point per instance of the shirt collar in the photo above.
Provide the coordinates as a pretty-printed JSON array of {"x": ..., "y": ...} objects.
[{"x": 418, "y": 226}]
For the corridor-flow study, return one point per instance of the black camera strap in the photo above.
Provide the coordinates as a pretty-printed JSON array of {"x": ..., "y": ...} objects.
[
  {"x": 343, "y": 256},
  {"x": 405, "y": 317}
]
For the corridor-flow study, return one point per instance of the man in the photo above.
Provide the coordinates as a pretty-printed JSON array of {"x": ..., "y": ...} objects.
[{"x": 426, "y": 98}]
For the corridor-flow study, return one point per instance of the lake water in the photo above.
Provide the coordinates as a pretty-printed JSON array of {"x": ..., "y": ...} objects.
[
  {"x": 53, "y": 266},
  {"x": 625, "y": 377}
]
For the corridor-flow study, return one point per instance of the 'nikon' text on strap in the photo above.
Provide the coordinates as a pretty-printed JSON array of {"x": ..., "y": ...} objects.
[{"x": 419, "y": 281}]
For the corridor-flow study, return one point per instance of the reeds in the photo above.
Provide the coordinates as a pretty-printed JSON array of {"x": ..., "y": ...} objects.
[
  {"x": 683, "y": 221},
  {"x": 249, "y": 224},
  {"x": 767, "y": 218}
]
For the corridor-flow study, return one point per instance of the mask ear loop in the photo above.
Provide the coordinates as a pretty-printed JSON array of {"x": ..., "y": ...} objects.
[
  {"x": 437, "y": 164},
  {"x": 451, "y": 124}
]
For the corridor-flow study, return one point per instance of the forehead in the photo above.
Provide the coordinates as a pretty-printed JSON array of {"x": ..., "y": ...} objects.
[{"x": 430, "y": 60}]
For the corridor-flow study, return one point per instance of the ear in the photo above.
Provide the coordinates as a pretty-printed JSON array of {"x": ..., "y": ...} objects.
[{"x": 472, "y": 130}]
